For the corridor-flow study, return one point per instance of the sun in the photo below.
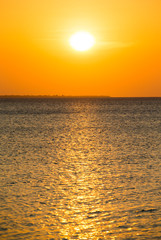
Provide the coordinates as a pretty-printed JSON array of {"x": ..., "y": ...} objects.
[{"x": 82, "y": 41}]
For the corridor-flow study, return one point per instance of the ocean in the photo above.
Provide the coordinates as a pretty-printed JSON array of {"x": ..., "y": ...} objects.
[{"x": 80, "y": 168}]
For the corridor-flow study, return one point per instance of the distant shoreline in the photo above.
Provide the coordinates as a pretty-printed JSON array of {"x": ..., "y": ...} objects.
[
  {"x": 63, "y": 96},
  {"x": 50, "y": 96}
]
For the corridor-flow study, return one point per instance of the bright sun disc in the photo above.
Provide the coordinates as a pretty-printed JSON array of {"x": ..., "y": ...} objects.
[{"x": 82, "y": 41}]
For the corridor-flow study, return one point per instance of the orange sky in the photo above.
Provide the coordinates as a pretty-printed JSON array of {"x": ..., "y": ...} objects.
[{"x": 35, "y": 56}]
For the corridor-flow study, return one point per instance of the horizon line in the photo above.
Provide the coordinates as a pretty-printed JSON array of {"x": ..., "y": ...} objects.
[{"x": 68, "y": 96}]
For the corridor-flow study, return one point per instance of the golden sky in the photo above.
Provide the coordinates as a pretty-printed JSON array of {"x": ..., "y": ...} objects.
[{"x": 36, "y": 58}]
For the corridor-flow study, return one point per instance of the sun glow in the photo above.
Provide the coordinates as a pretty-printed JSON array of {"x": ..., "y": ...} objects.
[{"x": 82, "y": 41}]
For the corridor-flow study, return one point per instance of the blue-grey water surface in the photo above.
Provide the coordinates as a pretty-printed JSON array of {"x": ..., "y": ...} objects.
[{"x": 80, "y": 168}]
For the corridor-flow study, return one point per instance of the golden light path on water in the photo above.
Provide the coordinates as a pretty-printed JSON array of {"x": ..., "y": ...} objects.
[
  {"x": 80, "y": 184},
  {"x": 85, "y": 203}
]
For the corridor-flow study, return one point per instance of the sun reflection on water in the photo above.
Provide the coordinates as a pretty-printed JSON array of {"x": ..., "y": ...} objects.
[{"x": 80, "y": 208}]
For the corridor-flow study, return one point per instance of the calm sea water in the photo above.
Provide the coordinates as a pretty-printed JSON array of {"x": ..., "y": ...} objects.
[{"x": 80, "y": 168}]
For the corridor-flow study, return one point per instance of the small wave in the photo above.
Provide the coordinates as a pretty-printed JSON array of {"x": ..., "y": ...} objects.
[{"x": 147, "y": 210}]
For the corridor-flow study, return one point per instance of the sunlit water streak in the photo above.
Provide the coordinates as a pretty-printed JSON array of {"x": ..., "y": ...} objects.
[{"x": 85, "y": 168}]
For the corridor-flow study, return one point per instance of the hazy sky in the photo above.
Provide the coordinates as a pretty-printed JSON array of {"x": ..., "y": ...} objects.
[{"x": 36, "y": 58}]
